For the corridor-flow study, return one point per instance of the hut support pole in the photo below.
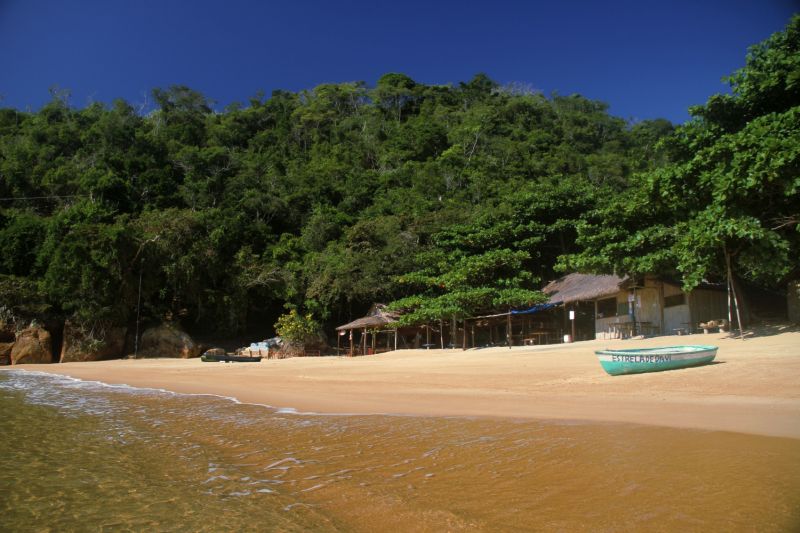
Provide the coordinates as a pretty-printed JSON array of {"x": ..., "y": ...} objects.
[
  {"x": 572, "y": 320},
  {"x": 395, "y": 340},
  {"x": 441, "y": 333},
  {"x": 351, "y": 343},
  {"x": 508, "y": 328},
  {"x": 338, "y": 340},
  {"x": 464, "y": 339},
  {"x": 365, "y": 342}
]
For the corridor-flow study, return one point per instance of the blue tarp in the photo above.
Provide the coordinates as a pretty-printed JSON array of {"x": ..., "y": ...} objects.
[{"x": 535, "y": 308}]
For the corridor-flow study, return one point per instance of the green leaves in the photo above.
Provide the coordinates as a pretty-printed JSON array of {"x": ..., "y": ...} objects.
[
  {"x": 473, "y": 267},
  {"x": 732, "y": 185},
  {"x": 296, "y": 329},
  {"x": 447, "y": 199}
]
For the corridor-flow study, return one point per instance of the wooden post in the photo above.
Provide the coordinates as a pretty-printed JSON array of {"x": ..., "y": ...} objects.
[
  {"x": 427, "y": 336},
  {"x": 351, "y": 342},
  {"x": 337, "y": 343},
  {"x": 365, "y": 342},
  {"x": 575, "y": 315},
  {"x": 395, "y": 339},
  {"x": 508, "y": 328},
  {"x": 441, "y": 333},
  {"x": 464, "y": 338}
]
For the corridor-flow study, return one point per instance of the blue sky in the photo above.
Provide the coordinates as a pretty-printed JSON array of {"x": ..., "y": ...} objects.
[{"x": 646, "y": 59}]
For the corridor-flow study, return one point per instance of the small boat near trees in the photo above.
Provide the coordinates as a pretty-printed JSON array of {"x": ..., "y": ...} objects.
[
  {"x": 228, "y": 358},
  {"x": 635, "y": 361}
]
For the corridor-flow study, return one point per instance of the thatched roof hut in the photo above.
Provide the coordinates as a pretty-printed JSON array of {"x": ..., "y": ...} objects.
[
  {"x": 379, "y": 320},
  {"x": 378, "y": 317},
  {"x": 583, "y": 287}
]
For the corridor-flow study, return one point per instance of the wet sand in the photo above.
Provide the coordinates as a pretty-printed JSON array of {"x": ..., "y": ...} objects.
[{"x": 752, "y": 386}]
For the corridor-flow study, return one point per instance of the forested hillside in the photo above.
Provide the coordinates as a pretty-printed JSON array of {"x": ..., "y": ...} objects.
[{"x": 451, "y": 199}]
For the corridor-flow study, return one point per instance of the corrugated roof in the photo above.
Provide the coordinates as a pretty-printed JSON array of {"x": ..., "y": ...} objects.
[
  {"x": 377, "y": 317},
  {"x": 582, "y": 287}
]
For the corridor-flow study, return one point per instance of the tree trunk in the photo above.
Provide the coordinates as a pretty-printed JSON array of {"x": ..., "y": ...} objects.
[
  {"x": 730, "y": 306},
  {"x": 733, "y": 289}
]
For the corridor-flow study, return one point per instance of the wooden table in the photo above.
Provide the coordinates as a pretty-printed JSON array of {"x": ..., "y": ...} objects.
[{"x": 537, "y": 337}]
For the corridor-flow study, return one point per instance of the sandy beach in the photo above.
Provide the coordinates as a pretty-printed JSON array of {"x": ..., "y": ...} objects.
[{"x": 752, "y": 387}]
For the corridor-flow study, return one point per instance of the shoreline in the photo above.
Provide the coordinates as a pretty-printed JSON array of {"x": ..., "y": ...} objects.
[{"x": 750, "y": 388}]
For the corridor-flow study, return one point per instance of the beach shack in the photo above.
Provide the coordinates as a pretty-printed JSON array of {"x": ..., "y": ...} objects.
[
  {"x": 369, "y": 334},
  {"x": 379, "y": 331},
  {"x": 610, "y": 307}
]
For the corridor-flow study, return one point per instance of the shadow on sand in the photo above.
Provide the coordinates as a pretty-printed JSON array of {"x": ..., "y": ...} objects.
[{"x": 764, "y": 330}]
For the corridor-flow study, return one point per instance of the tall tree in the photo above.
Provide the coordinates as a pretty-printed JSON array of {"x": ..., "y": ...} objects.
[{"x": 728, "y": 203}]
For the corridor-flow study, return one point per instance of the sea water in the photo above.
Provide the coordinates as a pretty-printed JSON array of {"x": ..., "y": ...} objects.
[{"x": 83, "y": 456}]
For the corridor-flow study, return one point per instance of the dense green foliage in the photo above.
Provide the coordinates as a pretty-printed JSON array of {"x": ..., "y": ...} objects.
[
  {"x": 296, "y": 329},
  {"x": 447, "y": 200},
  {"x": 730, "y": 189},
  {"x": 327, "y": 200}
]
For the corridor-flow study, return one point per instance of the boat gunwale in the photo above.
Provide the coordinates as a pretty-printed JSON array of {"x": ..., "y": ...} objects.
[{"x": 680, "y": 349}]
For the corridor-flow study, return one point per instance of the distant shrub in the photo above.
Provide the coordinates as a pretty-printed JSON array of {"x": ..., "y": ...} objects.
[{"x": 296, "y": 329}]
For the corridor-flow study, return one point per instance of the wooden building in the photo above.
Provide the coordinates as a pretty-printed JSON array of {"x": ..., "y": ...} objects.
[
  {"x": 379, "y": 331},
  {"x": 607, "y": 306},
  {"x": 360, "y": 337}
]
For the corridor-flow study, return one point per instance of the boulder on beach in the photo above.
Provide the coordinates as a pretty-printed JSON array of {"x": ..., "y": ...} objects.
[
  {"x": 5, "y": 353},
  {"x": 167, "y": 340},
  {"x": 79, "y": 346},
  {"x": 7, "y": 332},
  {"x": 33, "y": 345}
]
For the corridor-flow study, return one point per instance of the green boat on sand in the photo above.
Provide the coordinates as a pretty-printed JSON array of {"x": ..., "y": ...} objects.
[{"x": 636, "y": 361}]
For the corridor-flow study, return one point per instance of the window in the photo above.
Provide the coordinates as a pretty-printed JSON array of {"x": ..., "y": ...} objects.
[
  {"x": 606, "y": 307},
  {"x": 675, "y": 299}
]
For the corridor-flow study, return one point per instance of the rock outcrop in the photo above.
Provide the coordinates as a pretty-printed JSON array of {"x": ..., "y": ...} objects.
[
  {"x": 5, "y": 353},
  {"x": 78, "y": 346},
  {"x": 7, "y": 332},
  {"x": 168, "y": 340},
  {"x": 33, "y": 345}
]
